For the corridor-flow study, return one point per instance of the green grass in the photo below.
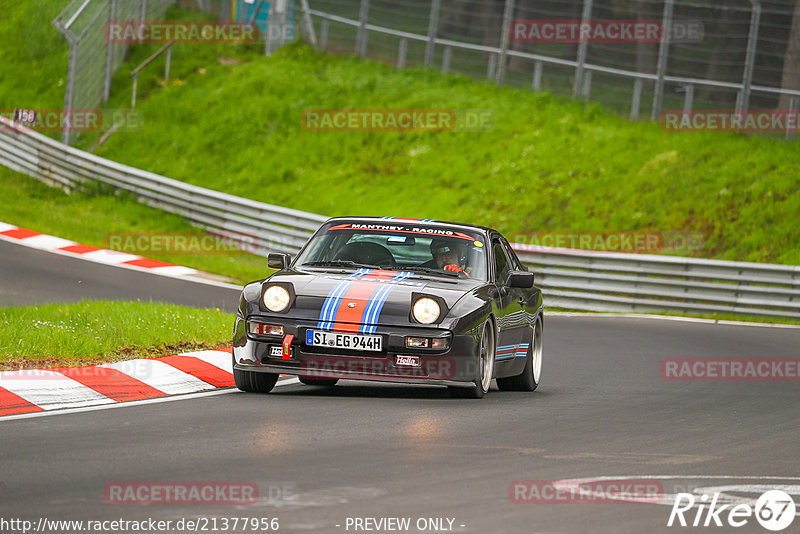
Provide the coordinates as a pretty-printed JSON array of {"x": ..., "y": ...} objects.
[
  {"x": 88, "y": 333},
  {"x": 33, "y": 70},
  {"x": 547, "y": 165},
  {"x": 30, "y": 204}
]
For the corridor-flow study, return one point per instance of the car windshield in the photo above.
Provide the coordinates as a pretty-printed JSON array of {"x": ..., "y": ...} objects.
[{"x": 435, "y": 250}]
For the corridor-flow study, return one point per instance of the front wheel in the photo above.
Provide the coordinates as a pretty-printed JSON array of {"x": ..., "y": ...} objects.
[
  {"x": 529, "y": 379},
  {"x": 253, "y": 382},
  {"x": 480, "y": 386}
]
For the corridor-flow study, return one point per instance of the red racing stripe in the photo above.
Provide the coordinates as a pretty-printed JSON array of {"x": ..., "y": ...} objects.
[
  {"x": 10, "y": 403},
  {"x": 79, "y": 249},
  {"x": 111, "y": 383},
  {"x": 379, "y": 274},
  {"x": 200, "y": 369},
  {"x": 147, "y": 263},
  {"x": 20, "y": 233},
  {"x": 349, "y": 319}
]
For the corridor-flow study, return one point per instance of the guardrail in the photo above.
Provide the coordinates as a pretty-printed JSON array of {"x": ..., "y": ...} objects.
[
  {"x": 600, "y": 281},
  {"x": 256, "y": 226},
  {"x": 572, "y": 279}
]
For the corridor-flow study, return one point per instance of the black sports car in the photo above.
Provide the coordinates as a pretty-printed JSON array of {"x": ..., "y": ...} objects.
[{"x": 400, "y": 300}]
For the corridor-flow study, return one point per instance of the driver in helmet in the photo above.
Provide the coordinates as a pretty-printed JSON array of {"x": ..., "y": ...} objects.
[{"x": 448, "y": 256}]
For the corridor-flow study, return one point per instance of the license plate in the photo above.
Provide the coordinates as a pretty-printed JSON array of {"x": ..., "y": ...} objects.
[
  {"x": 276, "y": 351},
  {"x": 341, "y": 340}
]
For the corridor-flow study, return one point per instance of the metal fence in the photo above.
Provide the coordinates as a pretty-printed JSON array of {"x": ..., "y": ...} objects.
[
  {"x": 92, "y": 59},
  {"x": 582, "y": 280},
  {"x": 576, "y": 280},
  {"x": 746, "y": 57}
]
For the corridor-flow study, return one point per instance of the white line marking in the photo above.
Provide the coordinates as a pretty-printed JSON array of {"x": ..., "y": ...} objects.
[
  {"x": 167, "y": 273},
  {"x": 174, "y": 270},
  {"x": 4, "y": 227},
  {"x": 160, "y": 376},
  {"x": 47, "y": 242},
  {"x": 111, "y": 257},
  {"x": 158, "y": 400},
  {"x": 51, "y": 390}
]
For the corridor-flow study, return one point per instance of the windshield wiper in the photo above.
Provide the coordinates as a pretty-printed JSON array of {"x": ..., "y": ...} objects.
[
  {"x": 428, "y": 270},
  {"x": 339, "y": 263}
]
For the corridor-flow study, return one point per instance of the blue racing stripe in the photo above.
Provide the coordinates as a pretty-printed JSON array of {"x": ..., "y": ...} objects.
[
  {"x": 334, "y": 298},
  {"x": 373, "y": 311}
]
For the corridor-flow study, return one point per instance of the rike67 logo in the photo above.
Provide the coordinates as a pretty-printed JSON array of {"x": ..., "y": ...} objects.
[{"x": 774, "y": 510}]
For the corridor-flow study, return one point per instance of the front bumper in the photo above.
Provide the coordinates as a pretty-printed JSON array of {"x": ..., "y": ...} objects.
[{"x": 455, "y": 366}]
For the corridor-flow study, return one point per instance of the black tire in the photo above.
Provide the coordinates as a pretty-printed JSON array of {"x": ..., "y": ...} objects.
[
  {"x": 483, "y": 378},
  {"x": 253, "y": 382},
  {"x": 318, "y": 381},
  {"x": 530, "y": 377}
]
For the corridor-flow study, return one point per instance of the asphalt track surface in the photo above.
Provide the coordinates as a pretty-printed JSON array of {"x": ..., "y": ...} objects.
[
  {"x": 31, "y": 276},
  {"x": 321, "y": 455}
]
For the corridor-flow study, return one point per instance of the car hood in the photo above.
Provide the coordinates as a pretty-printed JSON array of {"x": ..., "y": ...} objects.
[{"x": 366, "y": 296}]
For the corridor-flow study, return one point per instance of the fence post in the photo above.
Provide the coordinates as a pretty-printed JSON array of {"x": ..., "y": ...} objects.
[
  {"x": 112, "y": 15},
  {"x": 508, "y": 12},
  {"x": 143, "y": 11},
  {"x": 169, "y": 61},
  {"x": 433, "y": 26},
  {"x": 71, "y": 67},
  {"x": 490, "y": 69},
  {"x": 537, "y": 75},
  {"x": 587, "y": 85},
  {"x": 272, "y": 19},
  {"x": 582, "y": 49},
  {"x": 401, "y": 53},
  {"x": 688, "y": 99},
  {"x": 752, "y": 42},
  {"x": 448, "y": 54},
  {"x": 309, "y": 24},
  {"x": 792, "y": 113},
  {"x": 277, "y": 24},
  {"x": 663, "y": 56},
  {"x": 636, "y": 100},
  {"x": 323, "y": 34},
  {"x": 361, "y": 40}
]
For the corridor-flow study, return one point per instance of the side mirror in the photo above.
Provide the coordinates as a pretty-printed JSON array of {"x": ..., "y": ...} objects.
[
  {"x": 278, "y": 260},
  {"x": 521, "y": 279}
]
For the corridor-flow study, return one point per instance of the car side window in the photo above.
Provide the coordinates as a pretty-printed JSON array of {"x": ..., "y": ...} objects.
[
  {"x": 516, "y": 265},
  {"x": 501, "y": 267}
]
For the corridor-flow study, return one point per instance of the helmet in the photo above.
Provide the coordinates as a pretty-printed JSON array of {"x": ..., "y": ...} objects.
[{"x": 438, "y": 245}]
